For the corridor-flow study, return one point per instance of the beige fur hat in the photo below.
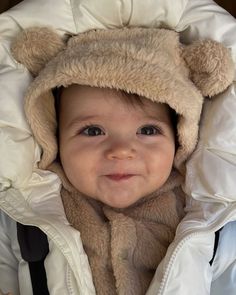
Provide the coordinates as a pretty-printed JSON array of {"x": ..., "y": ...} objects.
[{"x": 148, "y": 62}]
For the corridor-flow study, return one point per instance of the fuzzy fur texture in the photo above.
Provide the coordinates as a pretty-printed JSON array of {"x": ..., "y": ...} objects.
[
  {"x": 149, "y": 62},
  {"x": 125, "y": 246},
  {"x": 35, "y": 47},
  {"x": 210, "y": 66}
]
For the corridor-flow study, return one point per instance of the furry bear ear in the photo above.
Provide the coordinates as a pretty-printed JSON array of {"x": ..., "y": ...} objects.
[
  {"x": 211, "y": 66},
  {"x": 35, "y": 46}
]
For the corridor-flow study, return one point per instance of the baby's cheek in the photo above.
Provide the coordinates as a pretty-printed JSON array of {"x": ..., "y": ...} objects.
[
  {"x": 82, "y": 175},
  {"x": 160, "y": 168}
]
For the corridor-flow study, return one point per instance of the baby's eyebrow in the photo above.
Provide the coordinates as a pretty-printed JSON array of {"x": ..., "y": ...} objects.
[
  {"x": 80, "y": 119},
  {"x": 157, "y": 119},
  {"x": 87, "y": 118}
]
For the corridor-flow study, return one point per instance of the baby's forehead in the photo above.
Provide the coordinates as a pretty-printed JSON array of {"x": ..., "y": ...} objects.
[
  {"x": 85, "y": 99},
  {"x": 85, "y": 104}
]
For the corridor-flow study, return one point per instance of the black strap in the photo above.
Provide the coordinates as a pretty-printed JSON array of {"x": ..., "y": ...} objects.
[
  {"x": 38, "y": 278},
  {"x": 217, "y": 237},
  {"x": 34, "y": 249}
]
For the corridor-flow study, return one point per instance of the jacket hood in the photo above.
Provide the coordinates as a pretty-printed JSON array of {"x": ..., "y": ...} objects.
[{"x": 148, "y": 62}]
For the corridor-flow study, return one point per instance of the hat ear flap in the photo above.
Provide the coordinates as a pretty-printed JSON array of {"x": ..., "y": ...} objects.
[
  {"x": 35, "y": 46},
  {"x": 211, "y": 66}
]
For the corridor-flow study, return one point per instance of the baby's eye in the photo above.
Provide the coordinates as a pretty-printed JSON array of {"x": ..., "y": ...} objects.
[
  {"x": 92, "y": 131},
  {"x": 149, "y": 130}
]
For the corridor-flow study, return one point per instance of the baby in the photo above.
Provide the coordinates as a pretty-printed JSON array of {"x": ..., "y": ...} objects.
[
  {"x": 117, "y": 150},
  {"x": 126, "y": 120}
]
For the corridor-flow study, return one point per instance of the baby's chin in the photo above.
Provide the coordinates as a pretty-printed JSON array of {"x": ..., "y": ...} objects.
[
  {"x": 121, "y": 202},
  {"x": 120, "y": 205},
  {"x": 119, "y": 197},
  {"x": 117, "y": 203}
]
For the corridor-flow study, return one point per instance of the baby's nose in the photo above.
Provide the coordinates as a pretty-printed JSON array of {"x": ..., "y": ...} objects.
[{"x": 121, "y": 150}]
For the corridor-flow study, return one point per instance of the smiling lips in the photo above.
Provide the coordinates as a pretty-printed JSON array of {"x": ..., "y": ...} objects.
[{"x": 119, "y": 177}]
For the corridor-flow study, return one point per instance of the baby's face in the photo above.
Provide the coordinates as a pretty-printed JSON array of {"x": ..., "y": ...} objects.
[{"x": 110, "y": 150}]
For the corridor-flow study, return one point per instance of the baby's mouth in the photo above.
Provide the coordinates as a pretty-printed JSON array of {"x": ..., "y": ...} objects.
[{"x": 119, "y": 177}]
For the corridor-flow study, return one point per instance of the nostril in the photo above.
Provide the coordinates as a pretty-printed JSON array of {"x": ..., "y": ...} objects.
[{"x": 120, "y": 153}]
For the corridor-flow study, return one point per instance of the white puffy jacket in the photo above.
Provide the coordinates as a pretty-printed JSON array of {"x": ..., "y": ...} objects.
[{"x": 31, "y": 196}]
